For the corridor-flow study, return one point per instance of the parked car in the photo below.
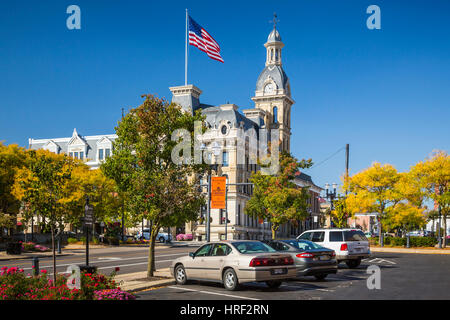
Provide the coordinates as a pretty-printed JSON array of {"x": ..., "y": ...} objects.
[
  {"x": 350, "y": 245},
  {"x": 161, "y": 237},
  {"x": 234, "y": 262},
  {"x": 310, "y": 259}
]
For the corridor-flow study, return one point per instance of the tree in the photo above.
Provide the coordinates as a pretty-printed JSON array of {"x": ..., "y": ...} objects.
[
  {"x": 276, "y": 197},
  {"x": 40, "y": 185},
  {"x": 373, "y": 190},
  {"x": 341, "y": 213},
  {"x": 157, "y": 188},
  {"x": 100, "y": 189},
  {"x": 12, "y": 158},
  {"x": 434, "y": 174},
  {"x": 405, "y": 216}
]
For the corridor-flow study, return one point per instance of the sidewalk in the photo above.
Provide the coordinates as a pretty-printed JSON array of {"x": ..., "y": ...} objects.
[
  {"x": 410, "y": 250},
  {"x": 137, "y": 281}
]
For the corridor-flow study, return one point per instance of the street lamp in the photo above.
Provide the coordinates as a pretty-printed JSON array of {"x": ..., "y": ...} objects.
[
  {"x": 331, "y": 196},
  {"x": 439, "y": 221},
  {"x": 216, "y": 149}
]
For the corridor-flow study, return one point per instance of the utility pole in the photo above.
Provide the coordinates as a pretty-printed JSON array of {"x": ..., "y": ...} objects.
[{"x": 347, "y": 151}]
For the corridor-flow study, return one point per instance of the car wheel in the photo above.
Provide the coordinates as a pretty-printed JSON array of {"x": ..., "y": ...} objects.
[
  {"x": 353, "y": 263},
  {"x": 230, "y": 280},
  {"x": 273, "y": 284},
  {"x": 320, "y": 276},
  {"x": 161, "y": 239},
  {"x": 180, "y": 275}
]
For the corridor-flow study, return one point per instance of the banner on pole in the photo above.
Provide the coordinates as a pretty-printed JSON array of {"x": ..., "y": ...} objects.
[{"x": 218, "y": 192}]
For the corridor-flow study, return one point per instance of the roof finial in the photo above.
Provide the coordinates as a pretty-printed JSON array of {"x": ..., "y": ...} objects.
[{"x": 275, "y": 20}]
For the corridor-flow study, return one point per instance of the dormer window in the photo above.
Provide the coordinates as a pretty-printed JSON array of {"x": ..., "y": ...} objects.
[{"x": 104, "y": 147}]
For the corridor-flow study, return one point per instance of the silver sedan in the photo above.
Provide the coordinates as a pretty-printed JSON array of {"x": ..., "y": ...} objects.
[{"x": 234, "y": 262}]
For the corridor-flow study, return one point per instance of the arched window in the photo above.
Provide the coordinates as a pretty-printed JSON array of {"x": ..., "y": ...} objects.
[{"x": 275, "y": 115}]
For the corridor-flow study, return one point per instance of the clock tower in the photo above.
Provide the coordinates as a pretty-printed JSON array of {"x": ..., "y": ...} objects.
[{"x": 273, "y": 92}]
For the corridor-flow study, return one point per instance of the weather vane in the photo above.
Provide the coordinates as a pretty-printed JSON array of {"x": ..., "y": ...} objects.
[{"x": 274, "y": 20}]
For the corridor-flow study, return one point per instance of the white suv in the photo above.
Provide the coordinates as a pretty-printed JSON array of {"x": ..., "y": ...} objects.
[{"x": 350, "y": 245}]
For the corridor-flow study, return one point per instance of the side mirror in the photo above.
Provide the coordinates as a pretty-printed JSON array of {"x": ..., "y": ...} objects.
[{"x": 191, "y": 254}]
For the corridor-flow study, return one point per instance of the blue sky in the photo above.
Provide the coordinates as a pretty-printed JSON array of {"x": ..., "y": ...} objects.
[{"x": 385, "y": 92}]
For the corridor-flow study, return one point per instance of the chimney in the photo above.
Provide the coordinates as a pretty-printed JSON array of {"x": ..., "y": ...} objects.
[
  {"x": 255, "y": 115},
  {"x": 187, "y": 97}
]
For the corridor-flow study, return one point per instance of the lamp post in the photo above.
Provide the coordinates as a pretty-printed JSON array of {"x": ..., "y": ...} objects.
[
  {"x": 216, "y": 148},
  {"x": 439, "y": 221},
  {"x": 331, "y": 196}
]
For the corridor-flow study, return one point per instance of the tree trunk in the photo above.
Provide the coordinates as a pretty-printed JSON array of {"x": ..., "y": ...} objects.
[
  {"x": 381, "y": 238},
  {"x": 54, "y": 254},
  {"x": 274, "y": 232},
  {"x": 151, "y": 252},
  {"x": 445, "y": 231}
]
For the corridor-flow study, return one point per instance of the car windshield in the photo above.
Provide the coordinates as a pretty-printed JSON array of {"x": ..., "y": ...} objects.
[
  {"x": 303, "y": 245},
  {"x": 354, "y": 235},
  {"x": 252, "y": 247}
]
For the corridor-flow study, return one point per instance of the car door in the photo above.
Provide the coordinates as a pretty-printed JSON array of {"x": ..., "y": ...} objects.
[
  {"x": 318, "y": 237},
  {"x": 196, "y": 267},
  {"x": 335, "y": 240},
  {"x": 305, "y": 236},
  {"x": 216, "y": 261}
]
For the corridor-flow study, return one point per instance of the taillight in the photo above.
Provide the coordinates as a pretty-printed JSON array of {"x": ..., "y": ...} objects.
[
  {"x": 305, "y": 255},
  {"x": 257, "y": 262},
  {"x": 333, "y": 254},
  {"x": 344, "y": 247},
  {"x": 262, "y": 262}
]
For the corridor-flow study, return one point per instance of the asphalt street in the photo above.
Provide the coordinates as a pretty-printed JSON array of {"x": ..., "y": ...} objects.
[{"x": 403, "y": 276}]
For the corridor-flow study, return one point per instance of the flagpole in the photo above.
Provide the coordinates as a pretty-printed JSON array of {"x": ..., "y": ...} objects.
[{"x": 186, "y": 51}]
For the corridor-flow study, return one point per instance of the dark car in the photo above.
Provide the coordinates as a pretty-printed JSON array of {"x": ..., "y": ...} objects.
[{"x": 310, "y": 259}]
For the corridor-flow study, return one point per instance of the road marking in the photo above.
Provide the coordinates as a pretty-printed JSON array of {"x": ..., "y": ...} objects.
[
  {"x": 216, "y": 293},
  {"x": 110, "y": 258},
  {"x": 380, "y": 260}
]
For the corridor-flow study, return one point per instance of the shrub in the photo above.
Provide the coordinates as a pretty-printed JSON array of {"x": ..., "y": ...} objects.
[
  {"x": 31, "y": 246},
  {"x": 72, "y": 240},
  {"x": 401, "y": 242},
  {"x": 15, "y": 285},
  {"x": 184, "y": 237},
  {"x": 113, "y": 294}
]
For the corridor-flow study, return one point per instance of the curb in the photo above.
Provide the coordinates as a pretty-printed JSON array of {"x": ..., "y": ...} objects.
[
  {"x": 407, "y": 250},
  {"x": 151, "y": 284}
]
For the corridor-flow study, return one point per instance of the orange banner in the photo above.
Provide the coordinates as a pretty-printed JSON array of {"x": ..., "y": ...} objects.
[{"x": 218, "y": 192}]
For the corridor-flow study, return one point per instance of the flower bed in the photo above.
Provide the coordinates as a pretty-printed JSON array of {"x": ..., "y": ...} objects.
[
  {"x": 15, "y": 285},
  {"x": 31, "y": 246},
  {"x": 184, "y": 237}
]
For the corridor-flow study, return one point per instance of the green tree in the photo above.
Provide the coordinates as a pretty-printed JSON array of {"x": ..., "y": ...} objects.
[
  {"x": 277, "y": 198},
  {"x": 157, "y": 188}
]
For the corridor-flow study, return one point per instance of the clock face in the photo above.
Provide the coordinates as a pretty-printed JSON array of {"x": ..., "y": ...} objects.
[{"x": 269, "y": 88}]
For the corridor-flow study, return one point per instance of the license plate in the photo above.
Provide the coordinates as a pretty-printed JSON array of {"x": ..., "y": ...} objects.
[
  {"x": 278, "y": 271},
  {"x": 324, "y": 258}
]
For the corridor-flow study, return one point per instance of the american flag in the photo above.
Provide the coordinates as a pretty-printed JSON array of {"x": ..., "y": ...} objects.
[{"x": 200, "y": 38}]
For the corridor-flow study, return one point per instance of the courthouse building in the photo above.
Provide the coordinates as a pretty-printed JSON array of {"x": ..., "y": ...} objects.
[{"x": 226, "y": 127}]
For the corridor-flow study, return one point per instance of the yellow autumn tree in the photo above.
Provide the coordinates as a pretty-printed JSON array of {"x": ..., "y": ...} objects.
[
  {"x": 373, "y": 190},
  {"x": 434, "y": 177}
]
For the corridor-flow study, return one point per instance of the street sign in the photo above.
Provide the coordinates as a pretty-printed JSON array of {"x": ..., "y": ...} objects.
[
  {"x": 88, "y": 216},
  {"x": 218, "y": 192}
]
